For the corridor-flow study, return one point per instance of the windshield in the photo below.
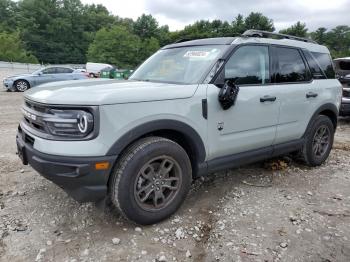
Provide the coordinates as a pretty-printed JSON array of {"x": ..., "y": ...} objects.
[{"x": 183, "y": 65}]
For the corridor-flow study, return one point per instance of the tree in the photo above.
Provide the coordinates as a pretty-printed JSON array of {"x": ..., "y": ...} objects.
[
  {"x": 146, "y": 26},
  {"x": 259, "y": 22},
  {"x": 11, "y": 49},
  {"x": 319, "y": 35},
  {"x": 117, "y": 46},
  {"x": 8, "y": 10},
  {"x": 298, "y": 29},
  {"x": 238, "y": 25}
]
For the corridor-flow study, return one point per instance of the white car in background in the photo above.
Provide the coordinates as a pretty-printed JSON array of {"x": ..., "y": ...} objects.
[{"x": 94, "y": 69}]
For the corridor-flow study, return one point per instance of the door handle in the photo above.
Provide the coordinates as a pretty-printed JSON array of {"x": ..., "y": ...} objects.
[
  {"x": 267, "y": 99},
  {"x": 311, "y": 94}
]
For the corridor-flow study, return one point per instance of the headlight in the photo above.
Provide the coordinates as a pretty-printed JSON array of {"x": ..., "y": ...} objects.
[{"x": 69, "y": 123}]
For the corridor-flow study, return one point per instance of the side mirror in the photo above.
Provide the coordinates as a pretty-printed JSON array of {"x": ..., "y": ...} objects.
[
  {"x": 40, "y": 73},
  {"x": 228, "y": 94}
]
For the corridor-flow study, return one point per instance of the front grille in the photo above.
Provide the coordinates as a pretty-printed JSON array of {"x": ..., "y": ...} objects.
[
  {"x": 346, "y": 92},
  {"x": 33, "y": 115}
]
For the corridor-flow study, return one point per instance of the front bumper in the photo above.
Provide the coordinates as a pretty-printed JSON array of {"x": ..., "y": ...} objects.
[
  {"x": 75, "y": 175},
  {"x": 345, "y": 107},
  {"x": 8, "y": 84}
]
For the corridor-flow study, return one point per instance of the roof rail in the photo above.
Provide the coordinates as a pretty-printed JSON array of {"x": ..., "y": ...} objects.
[{"x": 266, "y": 34}]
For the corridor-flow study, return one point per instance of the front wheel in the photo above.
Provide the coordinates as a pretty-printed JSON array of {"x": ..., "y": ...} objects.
[
  {"x": 21, "y": 85},
  {"x": 151, "y": 180},
  {"x": 318, "y": 141}
]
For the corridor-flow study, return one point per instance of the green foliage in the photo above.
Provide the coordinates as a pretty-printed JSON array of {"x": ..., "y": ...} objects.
[
  {"x": 337, "y": 40},
  {"x": 11, "y": 49},
  {"x": 298, "y": 29},
  {"x": 115, "y": 46},
  {"x": 146, "y": 26},
  {"x": 67, "y": 31},
  {"x": 259, "y": 22}
]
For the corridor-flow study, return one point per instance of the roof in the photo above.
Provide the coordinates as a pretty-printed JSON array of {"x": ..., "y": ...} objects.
[{"x": 312, "y": 47}]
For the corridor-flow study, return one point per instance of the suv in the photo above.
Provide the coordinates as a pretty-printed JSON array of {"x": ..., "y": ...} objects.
[
  {"x": 193, "y": 108},
  {"x": 342, "y": 67}
]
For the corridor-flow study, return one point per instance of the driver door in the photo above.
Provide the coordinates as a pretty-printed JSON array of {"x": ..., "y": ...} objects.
[
  {"x": 251, "y": 122},
  {"x": 47, "y": 75}
]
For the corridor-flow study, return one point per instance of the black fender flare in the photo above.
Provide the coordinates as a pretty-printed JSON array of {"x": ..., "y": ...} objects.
[
  {"x": 329, "y": 107},
  {"x": 132, "y": 135}
]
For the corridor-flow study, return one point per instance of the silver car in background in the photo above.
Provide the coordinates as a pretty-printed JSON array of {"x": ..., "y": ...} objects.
[{"x": 23, "y": 82}]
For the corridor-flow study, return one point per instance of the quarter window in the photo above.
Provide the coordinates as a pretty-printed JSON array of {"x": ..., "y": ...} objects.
[
  {"x": 325, "y": 61},
  {"x": 315, "y": 69},
  {"x": 249, "y": 65},
  {"x": 291, "y": 67}
]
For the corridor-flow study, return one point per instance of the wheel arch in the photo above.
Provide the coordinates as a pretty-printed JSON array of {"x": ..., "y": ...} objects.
[
  {"x": 329, "y": 110},
  {"x": 177, "y": 131}
]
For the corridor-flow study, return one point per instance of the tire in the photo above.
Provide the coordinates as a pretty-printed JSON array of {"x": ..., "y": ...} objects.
[
  {"x": 92, "y": 75},
  {"x": 21, "y": 85},
  {"x": 139, "y": 189},
  {"x": 318, "y": 142}
]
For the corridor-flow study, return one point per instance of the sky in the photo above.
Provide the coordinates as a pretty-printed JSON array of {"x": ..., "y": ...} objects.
[{"x": 179, "y": 13}]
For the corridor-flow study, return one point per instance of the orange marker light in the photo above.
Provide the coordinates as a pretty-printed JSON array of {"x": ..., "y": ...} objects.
[{"x": 102, "y": 165}]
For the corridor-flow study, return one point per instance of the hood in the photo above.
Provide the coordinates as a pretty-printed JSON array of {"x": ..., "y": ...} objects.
[
  {"x": 18, "y": 75},
  {"x": 102, "y": 92}
]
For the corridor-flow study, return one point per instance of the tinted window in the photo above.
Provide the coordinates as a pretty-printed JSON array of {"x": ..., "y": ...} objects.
[
  {"x": 50, "y": 70},
  {"x": 324, "y": 60},
  {"x": 344, "y": 65},
  {"x": 291, "y": 67},
  {"x": 249, "y": 65},
  {"x": 63, "y": 70},
  {"x": 315, "y": 68}
]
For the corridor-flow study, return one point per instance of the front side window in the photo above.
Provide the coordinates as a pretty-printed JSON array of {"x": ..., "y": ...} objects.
[
  {"x": 50, "y": 70},
  {"x": 181, "y": 65},
  {"x": 291, "y": 67},
  {"x": 249, "y": 65}
]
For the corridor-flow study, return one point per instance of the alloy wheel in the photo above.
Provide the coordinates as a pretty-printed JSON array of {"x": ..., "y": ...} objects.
[
  {"x": 157, "y": 183},
  {"x": 321, "y": 141}
]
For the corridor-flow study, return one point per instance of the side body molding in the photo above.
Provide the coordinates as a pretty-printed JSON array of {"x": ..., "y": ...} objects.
[{"x": 192, "y": 137}]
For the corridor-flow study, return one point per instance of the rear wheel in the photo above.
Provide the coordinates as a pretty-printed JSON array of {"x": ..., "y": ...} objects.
[
  {"x": 151, "y": 180},
  {"x": 318, "y": 142},
  {"x": 21, "y": 85}
]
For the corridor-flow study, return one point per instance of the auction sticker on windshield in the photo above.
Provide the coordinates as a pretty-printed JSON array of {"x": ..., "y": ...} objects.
[{"x": 196, "y": 54}]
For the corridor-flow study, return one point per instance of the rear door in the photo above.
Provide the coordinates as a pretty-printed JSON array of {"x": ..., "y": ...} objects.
[
  {"x": 297, "y": 92},
  {"x": 64, "y": 73}
]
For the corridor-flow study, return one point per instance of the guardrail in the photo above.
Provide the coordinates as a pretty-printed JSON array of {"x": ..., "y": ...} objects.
[{"x": 31, "y": 67}]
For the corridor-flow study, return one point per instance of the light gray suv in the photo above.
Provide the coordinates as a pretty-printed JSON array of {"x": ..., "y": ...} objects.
[{"x": 192, "y": 108}]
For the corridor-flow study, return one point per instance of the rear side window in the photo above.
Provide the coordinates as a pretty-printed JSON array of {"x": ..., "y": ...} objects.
[
  {"x": 63, "y": 70},
  {"x": 315, "y": 68},
  {"x": 249, "y": 65},
  {"x": 325, "y": 61},
  {"x": 290, "y": 66}
]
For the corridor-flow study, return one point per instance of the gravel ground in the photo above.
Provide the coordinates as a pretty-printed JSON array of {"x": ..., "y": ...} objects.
[{"x": 277, "y": 210}]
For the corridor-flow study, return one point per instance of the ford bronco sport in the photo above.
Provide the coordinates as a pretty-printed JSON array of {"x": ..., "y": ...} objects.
[{"x": 193, "y": 108}]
